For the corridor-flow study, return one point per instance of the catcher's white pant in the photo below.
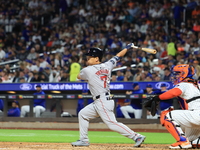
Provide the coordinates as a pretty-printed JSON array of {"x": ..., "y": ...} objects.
[
  {"x": 189, "y": 122},
  {"x": 129, "y": 109},
  {"x": 37, "y": 110},
  {"x": 103, "y": 108}
]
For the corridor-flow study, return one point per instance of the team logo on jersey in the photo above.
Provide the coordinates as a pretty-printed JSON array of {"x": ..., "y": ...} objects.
[{"x": 158, "y": 85}]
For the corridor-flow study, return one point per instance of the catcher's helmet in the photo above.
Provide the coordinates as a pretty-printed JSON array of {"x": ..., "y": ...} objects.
[
  {"x": 95, "y": 52},
  {"x": 180, "y": 72}
]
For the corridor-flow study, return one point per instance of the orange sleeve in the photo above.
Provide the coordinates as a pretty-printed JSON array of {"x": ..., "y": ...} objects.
[{"x": 170, "y": 94}]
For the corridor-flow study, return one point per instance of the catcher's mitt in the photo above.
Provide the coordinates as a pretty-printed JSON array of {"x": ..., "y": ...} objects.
[{"x": 151, "y": 104}]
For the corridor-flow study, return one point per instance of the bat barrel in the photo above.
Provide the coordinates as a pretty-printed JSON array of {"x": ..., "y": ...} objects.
[{"x": 154, "y": 51}]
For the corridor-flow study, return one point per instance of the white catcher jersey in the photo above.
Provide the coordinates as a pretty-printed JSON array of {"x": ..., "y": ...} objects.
[
  {"x": 98, "y": 76},
  {"x": 189, "y": 90}
]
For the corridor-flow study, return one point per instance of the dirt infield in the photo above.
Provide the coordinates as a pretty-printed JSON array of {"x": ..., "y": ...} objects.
[{"x": 67, "y": 146}]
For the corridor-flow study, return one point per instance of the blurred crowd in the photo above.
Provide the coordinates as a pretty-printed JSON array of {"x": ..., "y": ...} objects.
[{"x": 50, "y": 37}]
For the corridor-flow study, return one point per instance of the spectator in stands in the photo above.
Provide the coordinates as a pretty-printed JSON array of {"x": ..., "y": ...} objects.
[
  {"x": 133, "y": 106},
  {"x": 15, "y": 110},
  {"x": 36, "y": 36},
  {"x": 137, "y": 74},
  {"x": 38, "y": 48},
  {"x": 43, "y": 78},
  {"x": 54, "y": 76},
  {"x": 33, "y": 4},
  {"x": 196, "y": 12},
  {"x": 12, "y": 76},
  {"x": 22, "y": 80},
  {"x": 66, "y": 56},
  {"x": 45, "y": 33},
  {"x": 2, "y": 53},
  {"x": 57, "y": 60},
  {"x": 6, "y": 79},
  {"x": 32, "y": 55},
  {"x": 47, "y": 72},
  {"x": 36, "y": 78},
  {"x": 30, "y": 77},
  {"x": 22, "y": 54},
  {"x": 167, "y": 74},
  {"x": 120, "y": 75},
  {"x": 39, "y": 104},
  {"x": 197, "y": 69},
  {"x": 64, "y": 76},
  {"x": 21, "y": 77},
  {"x": 114, "y": 78},
  {"x": 56, "y": 19},
  {"x": 31, "y": 66},
  {"x": 43, "y": 62},
  {"x": 74, "y": 69},
  {"x": 128, "y": 76},
  {"x": 171, "y": 47}
]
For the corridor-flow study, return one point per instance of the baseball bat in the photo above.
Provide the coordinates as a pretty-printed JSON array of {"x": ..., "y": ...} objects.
[{"x": 149, "y": 50}]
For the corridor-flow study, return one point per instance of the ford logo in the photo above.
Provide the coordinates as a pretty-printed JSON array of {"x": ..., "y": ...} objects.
[
  {"x": 158, "y": 85},
  {"x": 25, "y": 86}
]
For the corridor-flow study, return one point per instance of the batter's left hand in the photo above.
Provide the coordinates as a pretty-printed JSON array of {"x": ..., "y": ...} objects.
[{"x": 129, "y": 46}]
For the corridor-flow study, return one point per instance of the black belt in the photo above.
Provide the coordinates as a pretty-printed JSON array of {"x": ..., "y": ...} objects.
[
  {"x": 108, "y": 98},
  {"x": 192, "y": 99}
]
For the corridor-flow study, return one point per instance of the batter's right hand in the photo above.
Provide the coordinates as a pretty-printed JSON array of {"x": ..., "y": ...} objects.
[{"x": 129, "y": 46}]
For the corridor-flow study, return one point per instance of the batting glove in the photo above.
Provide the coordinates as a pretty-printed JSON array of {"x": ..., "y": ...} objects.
[{"x": 129, "y": 46}]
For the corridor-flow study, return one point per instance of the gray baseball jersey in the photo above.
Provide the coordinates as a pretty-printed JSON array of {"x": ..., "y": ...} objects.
[{"x": 98, "y": 77}]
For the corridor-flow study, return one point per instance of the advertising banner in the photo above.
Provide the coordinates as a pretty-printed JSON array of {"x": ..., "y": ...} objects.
[{"x": 76, "y": 86}]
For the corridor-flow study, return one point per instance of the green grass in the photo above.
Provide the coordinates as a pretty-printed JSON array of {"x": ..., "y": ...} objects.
[{"x": 57, "y": 136}]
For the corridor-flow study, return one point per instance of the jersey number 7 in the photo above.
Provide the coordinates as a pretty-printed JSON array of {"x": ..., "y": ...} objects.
[{"x": 104, "y": 78}]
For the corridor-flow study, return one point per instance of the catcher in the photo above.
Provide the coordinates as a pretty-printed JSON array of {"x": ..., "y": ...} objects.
[{"x": 183, "y": 125}]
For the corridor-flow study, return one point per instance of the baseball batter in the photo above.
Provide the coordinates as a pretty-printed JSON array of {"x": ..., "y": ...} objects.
[
  {"x": 183, "y": 125},
  {"x": 98, "y": 76}
]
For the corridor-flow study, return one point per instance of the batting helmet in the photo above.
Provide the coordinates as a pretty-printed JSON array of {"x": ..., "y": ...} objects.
[
  {"x": 181, "y": 72},
  {"x": 95, "y": 52}
]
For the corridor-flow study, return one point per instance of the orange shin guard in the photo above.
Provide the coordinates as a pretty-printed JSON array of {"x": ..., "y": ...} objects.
[{"x": 173, "y": 128}]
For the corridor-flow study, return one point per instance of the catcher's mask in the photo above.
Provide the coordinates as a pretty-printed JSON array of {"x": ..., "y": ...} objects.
[
  {"x": 181, "y": 72},
  {"x": 95, "y": 52}
]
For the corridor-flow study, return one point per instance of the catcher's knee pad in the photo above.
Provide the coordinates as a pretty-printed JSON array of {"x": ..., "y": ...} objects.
[
  {"x": 196, "y": 143},
  {"x": 173, "y": 128},
  {"x": 163, "y": 115}
]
